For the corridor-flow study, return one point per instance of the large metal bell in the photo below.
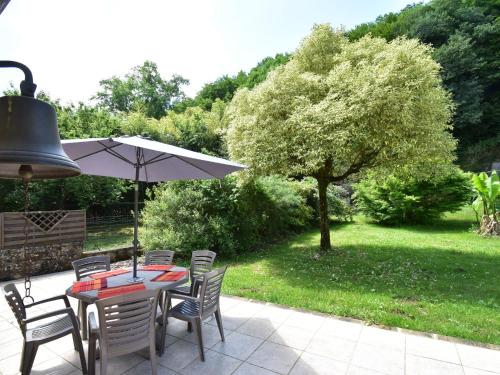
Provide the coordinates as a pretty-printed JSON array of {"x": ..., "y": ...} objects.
[{"x": 30, "y": 146}]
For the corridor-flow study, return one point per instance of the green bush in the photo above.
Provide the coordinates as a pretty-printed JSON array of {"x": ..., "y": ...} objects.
[
  {"x": 227, "y": 216},
  {"x": 339, "y": 205},
  {"x": 410, "y": 201}
]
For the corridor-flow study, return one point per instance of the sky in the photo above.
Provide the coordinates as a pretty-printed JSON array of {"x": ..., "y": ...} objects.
[{"x": 70, "y": 45}]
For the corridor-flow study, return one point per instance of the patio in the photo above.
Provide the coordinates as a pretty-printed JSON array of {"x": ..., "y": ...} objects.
[{"x": 261, "y": 339}]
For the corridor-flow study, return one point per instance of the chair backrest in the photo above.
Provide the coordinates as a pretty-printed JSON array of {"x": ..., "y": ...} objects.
[
  {"x": 87, "y": 266},
  {"x": 127, "y": 322},
  {"x": 201, "y": 262},
  {"x": 16, "y": 304},
  {"x": 210, "y": 291},
  {"x": 159, "y": 257}
]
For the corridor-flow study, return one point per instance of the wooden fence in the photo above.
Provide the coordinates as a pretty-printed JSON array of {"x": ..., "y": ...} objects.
[{"x": 43, "y": 227}]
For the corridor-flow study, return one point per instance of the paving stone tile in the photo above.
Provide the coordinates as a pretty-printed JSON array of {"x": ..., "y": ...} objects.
[
  {"x": 427, "y": 366},
  {"x": 295, "y": 337},
  {"x": 63, "y": 344},
  {"x": 387, "y": 361},
  {"x": 56, "y": 366},
  {"x": 179, "y": 355},
  {"x": 177, "y": 328},
  {"x": 210, "y": 335},
  {"x": 11, "y": 348},
  {"x": 354, "y": 370},
  {"x": 249, "y": 369},
  {"x": 10, "y": 365},
  {"x": 257, "y": 327},
  {"x": 5, "y": 325},
  {"x": 479, "y": 358},
  {"x": 340, "y": 328},
  {"x": 144, "y": 368},
  {"x": 332, "y": 347},
  {"x": 274, "y": 313},
  {"x": 274, "y": 357},
  {"x": 311, "y": 364},
  {"x": 475, "y": 371},
  {"x": 118, "y": 365},
  {"x": 305, "y": 320},
  {"x": 227, "y": 303},
  {"x": 73, "y": 357},
  {"x": 382, "y": 337},
  {"x": 215, "y": 364},
  {"x": 9, "y": 335},
  {"x": 238, "y": 345},
  {"x": 229, "y": 322},
  {"x": 431, "y": 348},
  {"x": 245, "y": 309}
]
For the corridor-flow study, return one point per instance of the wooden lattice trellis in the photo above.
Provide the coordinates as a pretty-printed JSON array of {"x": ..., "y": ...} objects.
[{"x": 44, "y": 227}]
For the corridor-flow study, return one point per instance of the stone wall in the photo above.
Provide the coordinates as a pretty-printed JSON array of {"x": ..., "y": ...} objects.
[
  {"x": 115, "y": 255},
  {"x": 51, "y": 258},
  {"x": 44, "y": 259}
]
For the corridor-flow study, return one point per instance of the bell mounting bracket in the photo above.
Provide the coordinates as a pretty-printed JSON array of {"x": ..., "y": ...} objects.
[{"x": 27, "y": 86}]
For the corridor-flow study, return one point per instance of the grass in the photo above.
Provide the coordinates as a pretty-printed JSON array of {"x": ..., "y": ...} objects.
[
  {"x": 439, "y": 278},
  {"x": 110, "y": 237}
]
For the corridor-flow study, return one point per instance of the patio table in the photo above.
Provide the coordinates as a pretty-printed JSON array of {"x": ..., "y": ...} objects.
[{"x": 123, "y": 279}]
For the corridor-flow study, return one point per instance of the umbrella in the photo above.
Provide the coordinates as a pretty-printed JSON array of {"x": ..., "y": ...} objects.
[{"x": 140, "y": 159}]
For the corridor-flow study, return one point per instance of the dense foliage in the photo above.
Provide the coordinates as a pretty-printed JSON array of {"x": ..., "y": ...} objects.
[
  {"x": 82, "y": 192},
  {"x": 142, "y": 90},
  {"x": 395, "y": 200},
  {"x": 487, "y": 191},
  {"x": 466, "y": 36},
  {"x": 228, "y": 216},
  {"x": 225, "y": 87},
  {"x": 340, "y": 108}
]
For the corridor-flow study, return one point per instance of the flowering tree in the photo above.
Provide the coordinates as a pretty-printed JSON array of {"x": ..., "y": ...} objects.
[{"x": 339, "y": 108}]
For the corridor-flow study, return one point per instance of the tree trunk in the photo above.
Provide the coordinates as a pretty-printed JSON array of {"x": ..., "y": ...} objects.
[{"x": 324, "y": 226}]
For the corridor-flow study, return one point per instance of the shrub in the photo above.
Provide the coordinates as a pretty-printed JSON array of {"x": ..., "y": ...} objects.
[
  {"x": 409, "y": 200},
  {"x": 339, "y": 205},
  {"x": 487, "y": 192},
  {"x": 227, "y": 216}
]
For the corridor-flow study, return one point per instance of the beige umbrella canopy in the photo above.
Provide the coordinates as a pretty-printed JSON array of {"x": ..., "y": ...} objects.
[{"x": 139, "y": 159}]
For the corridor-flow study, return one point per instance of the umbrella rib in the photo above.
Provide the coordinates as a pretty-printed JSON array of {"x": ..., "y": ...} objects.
[
  {"x": 116, "y": 154},
  {"x": 201, "y": 169},
  {"x": 96, "y": 152},
  {"x": 144, "y": 165},
  {"x": 154, "y": 160}
]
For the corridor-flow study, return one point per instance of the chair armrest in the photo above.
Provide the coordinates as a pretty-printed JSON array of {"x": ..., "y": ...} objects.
[
  {"x": 181, "y": 296},
  {"x": 93, "y": 328},
  {"x": 196, "y": 285},
  {"x": 63, "y": 297},
  {"x": 67, "y": 310}
]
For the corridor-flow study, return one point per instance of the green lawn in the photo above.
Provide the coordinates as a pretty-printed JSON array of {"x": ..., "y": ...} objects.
[
  {"x": 440, "y": 278},
  {"x": 111, "y": 237}
]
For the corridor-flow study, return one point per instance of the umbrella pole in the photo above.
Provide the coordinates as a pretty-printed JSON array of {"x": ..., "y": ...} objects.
[{"x": 136, "y": 220}]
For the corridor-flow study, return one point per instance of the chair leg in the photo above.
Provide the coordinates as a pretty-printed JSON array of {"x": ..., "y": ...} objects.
[
  {"x": 77, "y": 340},
  {"x": 219, "y": 323},
  {"x": 23, "y": 353},
  {"x": 83, "y": 320},
  {"x": 92, "y": 354},
  {"x": 29, "y": 354},
  {"x": 197, "y": 324},
  {"x": 152, "y": 357},
  {"x": 164, "y": 322},
  {"x": 104, "y": 364}
]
